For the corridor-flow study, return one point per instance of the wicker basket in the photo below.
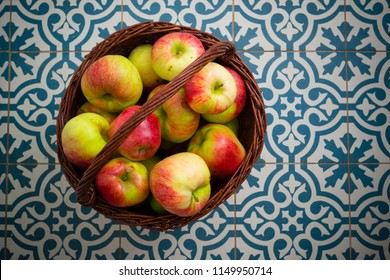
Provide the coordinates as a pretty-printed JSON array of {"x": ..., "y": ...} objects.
[{"x": 252, "y": 122}]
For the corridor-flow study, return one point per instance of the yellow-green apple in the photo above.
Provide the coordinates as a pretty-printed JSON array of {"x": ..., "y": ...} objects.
[
  {"x": 178, "y": 121},
  {"x": 122, "y": 182},
  {"x": 238, "y": 104},
  {"x": 112, "y": 83},
  {"x": 83, "y": 137},
  {"x": 87, "y": 107},
  {"x": 212, "y": 90},
  {"x": 141, "y": 57},
  {"x": 144, "y": 141},
  {"x": 220, "y": 149},
  {"x": 173, "y": 52},
  {"x": 233, "y": 125},
  {"x": 150, "y": 162},
  {"x": 156, "y": 207},
  {"x": 181, "y": 183}
]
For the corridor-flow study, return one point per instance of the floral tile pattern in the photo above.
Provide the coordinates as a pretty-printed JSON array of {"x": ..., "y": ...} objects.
[{"x": 320, "y": 189}]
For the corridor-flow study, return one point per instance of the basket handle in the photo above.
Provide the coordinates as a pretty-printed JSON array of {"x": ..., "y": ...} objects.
[{"x": 85, "y": 190}]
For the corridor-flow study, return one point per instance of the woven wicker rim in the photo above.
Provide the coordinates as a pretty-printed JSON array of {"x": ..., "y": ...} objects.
[{"x": 252, "y": 122}]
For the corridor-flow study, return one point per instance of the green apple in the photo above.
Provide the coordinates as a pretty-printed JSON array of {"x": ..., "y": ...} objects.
[
  {"x": 83, "y": 137},
  {"x": 149, "y": 163},
  {"x": 156, "y": 207},
  {"x": 233, "y": 125},
  {"x": 141, "y": 57},
  {"x": 89, "y": 108}
]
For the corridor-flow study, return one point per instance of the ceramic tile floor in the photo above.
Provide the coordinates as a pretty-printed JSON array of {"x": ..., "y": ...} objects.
[{"x": 320, "y": 189}]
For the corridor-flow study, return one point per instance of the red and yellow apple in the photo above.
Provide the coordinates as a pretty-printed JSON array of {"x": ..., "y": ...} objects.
[
  {"x": 144, "y": 141},
  {"x": 123, "y": 183},
  {"x": 212, "y": 90},
  {"x": 238, "y": 104},
  {"x": 220, "y": 149},
  {"x": 173, "y": 52},
  {"x": 83, "y": 137},
  {"x": 178, "y": 121},
  {"x": 180, "y": 183},
  {"x": 141, "y": 57},
  {"x": 112, "y": 83}
]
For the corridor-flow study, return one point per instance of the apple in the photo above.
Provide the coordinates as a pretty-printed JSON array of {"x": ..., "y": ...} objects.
[
  {"x": 178, "y": 121},
  {"x": 212, "y": 90},
  {"x": 233, "y": 125},
  {"x": 180, "y": 183},
  {"x": 173, "y": 52},
  {"x": 89, "y": 108},
  {"x": 141, "y": 57},
  {"x": 220, "y": 148},
  {"x": 149, "y": 163},
  {"x": 83, "y": 137},
  {"x": 144, "y": 141},
  {"x": 156, "y": 207},
  {"x": 238, "y": 104},
  {"x": 112, "y": 83},
  {"x": 122, "y": 182}
]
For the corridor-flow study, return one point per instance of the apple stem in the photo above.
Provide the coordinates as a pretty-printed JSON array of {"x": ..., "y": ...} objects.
[
  {"x": 196, "y": 198},
  {"x": 218, "y": 85},
  {"x": 125, "y": 176}
]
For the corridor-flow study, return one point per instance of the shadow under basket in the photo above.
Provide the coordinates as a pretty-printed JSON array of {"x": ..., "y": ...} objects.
[{"x": 252, "y": 123}]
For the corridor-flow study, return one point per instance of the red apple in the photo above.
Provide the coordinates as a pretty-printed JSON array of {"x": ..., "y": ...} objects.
[
  {"x": 144, "y": 141},
  {"x": 238, "y": 104},
  {"x": 173, "y": 52},
  {"x": 212, "y": 90},
  {"x": 178, "y": 121},
  {"x": 181, "y": 183},
  {"x": 112, "y": 83},
  {"x": 220, "y": 149},
  {"x": 123, "y": 183}
]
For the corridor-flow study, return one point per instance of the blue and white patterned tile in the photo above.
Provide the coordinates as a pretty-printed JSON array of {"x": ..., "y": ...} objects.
[
  {"x": 292, "y": 213},
  {"x": 214, "y": 16},
  {"x": 369, "y": 112},
  {"x": 305, "y": 101},
  {"x": 3, "y": 193},
  {"x": 368, "y": 25},
  {"x": 46, "y": 222},
  {"x": 3, "y": 107},
  {"x": 370, "y": 211},
  {"x": 211, "y": 237},
  {"x": 38, "y": 82},
  {"x": 284, "y": 25},
  {"x": 63, "y": 25},
  {"x": 5, "y": 17}
]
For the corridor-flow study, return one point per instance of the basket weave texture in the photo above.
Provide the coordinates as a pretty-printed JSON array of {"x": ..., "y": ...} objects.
[{"x": 252, "y": 122}]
